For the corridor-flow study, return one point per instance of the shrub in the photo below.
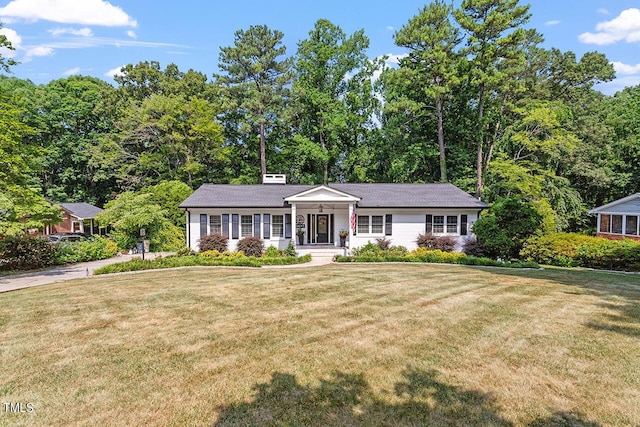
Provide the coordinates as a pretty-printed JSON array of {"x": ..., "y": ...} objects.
[
  {"x": 433, "y": 242},
  {"x": 472, "y": 247},
  {"x": 215, "y": 241},
  {"x": 437, "y": 255},
  {"x": 272, "y": 252},
  {"x": 86, "y": 250},
  {"x": 610, "y": 254},
  {"x": 370, "y": 249},
  {"x": 25, "y": 253},
  {"x": 251, "y": 246},
  {"x": 383, "y": 243},
  {"x": 225, "y": 254},
  {"x": 185, "y": 251},
  {"x": 290, "y": 251},
  {"x": 504, "y": 229},
  {"x": 559, "y": 249}
]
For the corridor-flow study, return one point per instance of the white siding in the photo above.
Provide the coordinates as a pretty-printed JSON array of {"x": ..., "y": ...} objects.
[{"x": 408, "y": 224}]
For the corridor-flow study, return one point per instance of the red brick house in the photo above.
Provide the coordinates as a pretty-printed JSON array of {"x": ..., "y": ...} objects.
[{"x": 76, "y": 218}]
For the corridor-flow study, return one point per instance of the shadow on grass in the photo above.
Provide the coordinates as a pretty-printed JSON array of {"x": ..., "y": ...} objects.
[{"x": 348, "y": 399}]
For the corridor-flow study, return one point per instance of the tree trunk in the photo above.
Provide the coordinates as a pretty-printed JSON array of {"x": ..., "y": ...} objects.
[
  {"x": 479, "y": 160},
  {"x": 263, "y": 150},
  {"x": 443, "y": 159}
]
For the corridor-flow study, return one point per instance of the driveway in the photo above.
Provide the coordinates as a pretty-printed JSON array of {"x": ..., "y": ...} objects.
[{"x": 62, "y": 273}]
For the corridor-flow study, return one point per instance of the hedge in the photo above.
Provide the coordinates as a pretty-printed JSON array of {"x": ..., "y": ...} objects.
[
  {"x": 577, "y": 250},
  {"x": 199, "y": 260}
]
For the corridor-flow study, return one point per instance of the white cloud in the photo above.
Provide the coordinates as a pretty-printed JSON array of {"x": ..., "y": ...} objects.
[
  {"x": 603, "y": 11},
  {"x": 395, "y": 59},
  {"x": 132, "y": 34},
  {"x": 84, "y": 32},
  {"x": 84, "y": 12},
  {"x": 115, "y": 72},
  {"x": 624, "y": 27},
  {"x": 37, "y": 51},
  {"x": 550, "y": 23},
  {"x": 72, "y": 71},
  {"x": 14, "y": 38},
  {"x": 391, "y": 28},
  {"x": 626, "y": 69}
]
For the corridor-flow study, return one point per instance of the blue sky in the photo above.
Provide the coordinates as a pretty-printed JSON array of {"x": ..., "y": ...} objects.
[{"x": 58, "y": 38}]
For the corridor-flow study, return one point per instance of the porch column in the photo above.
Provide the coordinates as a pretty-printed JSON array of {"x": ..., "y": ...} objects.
[{"x": 294, "y": 225}]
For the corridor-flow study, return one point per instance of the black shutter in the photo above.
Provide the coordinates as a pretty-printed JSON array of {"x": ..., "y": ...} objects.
[
  {"x": 463, "y": 225},
  {"x": 429, "y": 224},
  {"x": 234, "y": 226},
  {"x": 331, "y": 232},
  {"x": 203, "y": 225},
  {"x": 225, "y": 225},
  {"x": 256, "y": 225},
  {"x": 388, "y": 225},
  {"x": 267, "y": 226},
  {"x": 287, "y": 226}
]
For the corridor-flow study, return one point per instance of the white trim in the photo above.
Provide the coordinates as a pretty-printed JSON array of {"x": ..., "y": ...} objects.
[{"x": 308, "y": 196}]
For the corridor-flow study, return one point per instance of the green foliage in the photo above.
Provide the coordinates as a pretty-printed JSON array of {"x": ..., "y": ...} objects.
[
  {"x": 168, "y": 195},
  {"x": 86, "y": 250},
  {"x": 579, "y": 250},
  {"x": 26, "y": 253},
  {"x": 503, "y": 229},
  {"x": 272, "y": 252},
  {"x": 251, "y": 246},
  {"x": 236, "y": 259},
  {"x": 290, "y": 250},
  {"x": 129, "y": 212},
  {"x": 214, "y": 241},
  {"x": 433, "y": 242},
  {"x": 374, "y": 250},
  {"x": 224, "y": 254},
  {"x": 431, "y": 256}
]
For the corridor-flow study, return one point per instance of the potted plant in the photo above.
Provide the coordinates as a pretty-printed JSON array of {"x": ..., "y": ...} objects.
[
  {"x": 343, "y": 237},
  {"x": 300, "y": 234}
]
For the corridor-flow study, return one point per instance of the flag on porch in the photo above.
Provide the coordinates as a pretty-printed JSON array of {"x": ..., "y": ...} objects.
[{"x": 353, "y": 220}]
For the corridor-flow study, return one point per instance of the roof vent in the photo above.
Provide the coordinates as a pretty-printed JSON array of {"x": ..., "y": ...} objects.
[{"x": 271, "y": 178}]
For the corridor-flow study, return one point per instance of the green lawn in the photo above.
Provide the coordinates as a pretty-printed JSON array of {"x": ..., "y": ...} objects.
[{"x": 381, "y": 344}]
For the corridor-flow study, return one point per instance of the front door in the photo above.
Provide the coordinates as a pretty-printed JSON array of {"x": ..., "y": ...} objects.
[{"x": 323, "y": 228}]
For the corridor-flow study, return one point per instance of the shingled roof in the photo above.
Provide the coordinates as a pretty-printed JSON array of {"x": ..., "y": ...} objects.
[
  {"x": 81, "y": 210},
  {"x": 372, "y": 196}
]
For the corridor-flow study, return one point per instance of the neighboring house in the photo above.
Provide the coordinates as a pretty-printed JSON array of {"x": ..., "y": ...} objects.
[
  {"x": 76, "y": 218},
  {"x": 619, "y": 219},
  {"x": 275, "y": 211}
]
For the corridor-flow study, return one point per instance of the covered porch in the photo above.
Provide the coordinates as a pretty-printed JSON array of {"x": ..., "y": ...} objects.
[{"x": 322, "y": 218}]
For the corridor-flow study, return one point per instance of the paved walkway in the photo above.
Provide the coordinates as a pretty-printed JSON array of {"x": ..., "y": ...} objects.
[
  {"x": 63, "y": 273},
  {"x": 86, "y": 269}
]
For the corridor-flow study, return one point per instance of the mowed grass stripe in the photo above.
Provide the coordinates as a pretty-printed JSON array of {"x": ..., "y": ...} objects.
[{"x": 340, "y": 344}]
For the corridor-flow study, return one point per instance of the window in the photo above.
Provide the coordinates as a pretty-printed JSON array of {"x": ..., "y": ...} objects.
[
  {"x": 463, "y": 225},
  {"x": 277, "y": 226},
  {"x": 363, "y": 224},
  {"x": 203, "y": 225},
  {"x": 632, "y": 225},
  {"x": 246, "y": 225},
  {"x": 452, "y": 224},
  {"x": 215, "y": 224},
  {"x": 438, "y": 223},
  {"x": 376, "y": 224},
  {"x": 605, "y": 223},
  {"x": 616, "y": 224},
  {"x": 429, "y": 224}
]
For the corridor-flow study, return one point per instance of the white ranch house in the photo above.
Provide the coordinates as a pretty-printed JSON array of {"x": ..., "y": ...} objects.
[{"x": 276, "y": 211}]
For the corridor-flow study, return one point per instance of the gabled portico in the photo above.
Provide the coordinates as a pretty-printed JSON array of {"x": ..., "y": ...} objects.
[{"x": 321, "y": 212}]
